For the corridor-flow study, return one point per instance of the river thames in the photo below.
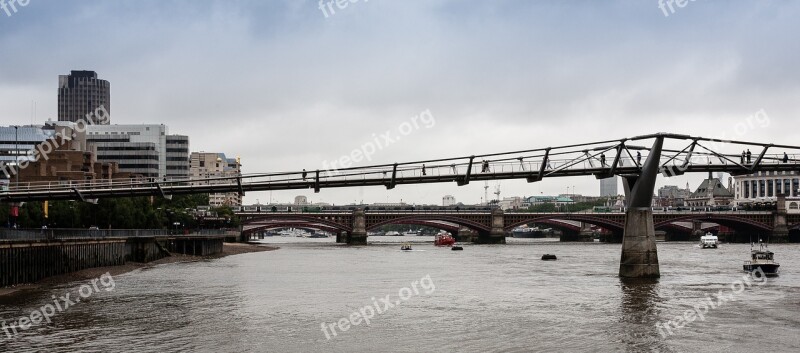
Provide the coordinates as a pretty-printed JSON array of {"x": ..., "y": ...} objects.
[{"x": 488, "y": 298}]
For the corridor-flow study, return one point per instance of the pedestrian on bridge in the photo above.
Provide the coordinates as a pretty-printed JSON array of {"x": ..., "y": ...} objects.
[
  {"x": 639, "y": 158},
  {"x": 304, "y": 174},
  {"x": 785, "y": 158},
  {"x": 423, "y": 170},
  {"x": 748, "y": 154},
  {"x": 603, "y": 160},
  {"x": 485, "y": 168}
]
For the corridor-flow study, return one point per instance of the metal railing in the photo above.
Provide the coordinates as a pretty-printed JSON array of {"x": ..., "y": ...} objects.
[
  {"x": 600, "y": 158},
  {"x": 56, "y": 234}
]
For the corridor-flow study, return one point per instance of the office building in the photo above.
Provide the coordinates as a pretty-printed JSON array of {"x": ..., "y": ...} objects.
[
  {"x": 17, "y": 143},
  {"x": 138, "y": 149},
  {"x": 208, "y": 165},
  {"x": 177, "y": 150},
  {"x": 80, "y": 94},
  {"x": 608, "y": 186}
]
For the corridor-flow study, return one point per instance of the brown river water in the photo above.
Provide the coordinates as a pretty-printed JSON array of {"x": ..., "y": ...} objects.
[{"x": 487, "y": 298}]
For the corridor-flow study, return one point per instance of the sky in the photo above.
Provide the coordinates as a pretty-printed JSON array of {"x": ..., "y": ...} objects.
[{"x": 287, "y": 86}]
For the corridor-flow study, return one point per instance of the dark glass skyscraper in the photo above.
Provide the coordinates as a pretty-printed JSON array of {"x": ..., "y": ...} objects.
[{"x": 81, "y": 93}]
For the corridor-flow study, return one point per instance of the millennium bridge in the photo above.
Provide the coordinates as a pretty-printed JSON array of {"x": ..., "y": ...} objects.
[{"x": 638, "y": 160}]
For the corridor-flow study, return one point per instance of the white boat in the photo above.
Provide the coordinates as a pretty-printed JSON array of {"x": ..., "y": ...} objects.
[
  {"x": 411, "y": 233},
  {"x": 709, "y": 241},
  {"x": 392, "y": 233}
]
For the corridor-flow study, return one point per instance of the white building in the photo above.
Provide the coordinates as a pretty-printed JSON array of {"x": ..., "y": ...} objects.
[
  {"x": 17, "y": 143},
  {"x": 763, "y": 188},
  {"x": 138, "y": 149},
  {"x": 511, "y": 203},
  {"x": 448, "y": 200}
]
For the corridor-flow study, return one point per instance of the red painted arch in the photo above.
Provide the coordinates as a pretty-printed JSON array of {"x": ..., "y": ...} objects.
[
  {"x": 432, "y": 217},
  {"x": 298, "y": 217}
]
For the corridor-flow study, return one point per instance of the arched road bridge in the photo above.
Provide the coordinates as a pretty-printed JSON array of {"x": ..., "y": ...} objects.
[{"x": 488, "y": 224}]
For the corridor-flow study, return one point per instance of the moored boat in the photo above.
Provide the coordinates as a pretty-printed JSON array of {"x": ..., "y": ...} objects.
[
  {"x": 528, "y": 232},
  {"x": 406, "y": 247}
]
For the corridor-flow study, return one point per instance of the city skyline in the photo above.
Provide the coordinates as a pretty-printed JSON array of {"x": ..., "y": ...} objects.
[{"x": 163, "y": 73}]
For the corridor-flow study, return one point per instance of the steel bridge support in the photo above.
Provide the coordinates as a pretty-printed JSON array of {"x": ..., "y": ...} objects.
[{"x": 639, "y": 255}]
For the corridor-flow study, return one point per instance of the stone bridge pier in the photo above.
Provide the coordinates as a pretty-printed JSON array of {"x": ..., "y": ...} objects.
[
  {"x": 780, "y": 231},
  {"x": 358, "y": 236},
  {"x": 498, "y": 234}
]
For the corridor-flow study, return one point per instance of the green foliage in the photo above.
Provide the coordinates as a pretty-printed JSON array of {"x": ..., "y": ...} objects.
[
  {"x": 119, "y": 213},
  {"x": 226, "y": 213}
]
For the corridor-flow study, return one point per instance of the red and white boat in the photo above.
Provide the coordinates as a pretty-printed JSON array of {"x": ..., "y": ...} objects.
[{"x": 444, "y": 239}]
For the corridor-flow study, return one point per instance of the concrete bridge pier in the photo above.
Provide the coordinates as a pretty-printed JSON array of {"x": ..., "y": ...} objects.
[
  {"x": 584, "y": 234},
  {"x": 341, "y": 238},
  {"x": 639, "y": 254},
  {"x": 359, "y": 234},
  {"x": 780, "y": 232},
  {"x": 697, "y": 230},
  {"x": 497, "y": 235},
  {"x": 465, "y": 234}
]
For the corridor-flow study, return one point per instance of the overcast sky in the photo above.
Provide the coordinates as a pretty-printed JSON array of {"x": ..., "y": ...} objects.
[{"x": 285, "y": 87}]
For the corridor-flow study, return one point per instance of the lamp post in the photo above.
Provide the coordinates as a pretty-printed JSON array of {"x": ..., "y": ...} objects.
[{"x": 16, "y": 153}]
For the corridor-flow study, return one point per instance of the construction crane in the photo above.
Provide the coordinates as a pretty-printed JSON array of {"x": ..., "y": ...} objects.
[{"x": 497, "y": 191}]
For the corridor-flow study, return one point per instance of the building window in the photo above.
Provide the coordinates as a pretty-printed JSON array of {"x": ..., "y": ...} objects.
[
  {"x": 795, "y": 187},
  {"x": 793, "y": 206}
]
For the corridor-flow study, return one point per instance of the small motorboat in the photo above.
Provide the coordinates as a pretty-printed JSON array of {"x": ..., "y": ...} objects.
[
  {"x": 762, "y": 259},
  {"x": 549, "y": 257},
  {"x": 406, "y": 247},
  {"x": 457, "y": 247},
  {"x": 709, "y": 241}
]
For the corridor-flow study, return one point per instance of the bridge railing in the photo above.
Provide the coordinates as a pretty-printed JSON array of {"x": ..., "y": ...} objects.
[
  {"x": 578, "y": 159},
  {"x": 455, "y": 170},
  {"x": 49, "y": 234}
]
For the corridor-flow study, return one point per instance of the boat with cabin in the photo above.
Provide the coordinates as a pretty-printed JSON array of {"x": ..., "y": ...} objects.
[
  {"x": 762, "y": 259},
  {"x": 709, "y": 241}
]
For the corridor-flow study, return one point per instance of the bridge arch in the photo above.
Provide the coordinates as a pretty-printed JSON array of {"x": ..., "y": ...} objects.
[
  {"x": 431, "y": 217},
  {"x": 276, "y": 225},
  {"x": 604, "y": 222},
  {"x": 729, "y": 220},
  {"x": 452, "y": 228},
  {"x": 324, "y": 220}
]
